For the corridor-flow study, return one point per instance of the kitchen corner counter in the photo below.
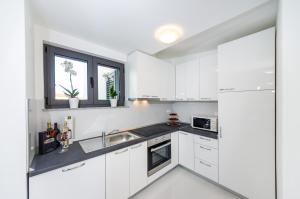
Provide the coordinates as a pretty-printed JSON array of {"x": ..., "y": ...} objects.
[{"x": 54, "y": 160}]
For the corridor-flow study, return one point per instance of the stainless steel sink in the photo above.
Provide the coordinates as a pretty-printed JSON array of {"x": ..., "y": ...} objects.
[
  {"x": 119, "y": 138},
  {"x": 95, "y": 144}
]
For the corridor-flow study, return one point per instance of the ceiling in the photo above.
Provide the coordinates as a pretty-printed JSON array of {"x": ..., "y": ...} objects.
[
  {"x": 130, "y": 25},
  {"x": 252, "y": 21}
]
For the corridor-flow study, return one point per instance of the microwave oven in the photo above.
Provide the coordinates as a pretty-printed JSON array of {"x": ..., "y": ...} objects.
[{"x": 209, "y": 123}]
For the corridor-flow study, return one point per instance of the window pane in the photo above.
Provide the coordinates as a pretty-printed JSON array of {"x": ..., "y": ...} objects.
[
  {"x": 70, "y": 73},
  {"x": 107, "y": 77}
]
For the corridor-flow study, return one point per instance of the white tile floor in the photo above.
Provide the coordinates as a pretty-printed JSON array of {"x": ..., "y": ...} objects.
[{"x": 182, "y": 184}]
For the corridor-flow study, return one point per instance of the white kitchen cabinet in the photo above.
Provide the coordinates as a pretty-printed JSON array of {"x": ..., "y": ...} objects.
[
  {"x": 186, "y": 149},
  {"x": 206, "y": 153},
  {"x": 85, "y": 179},
  {"x": 166, "y": 79},
  {"x": 149, "y": 77},
  {"x": 247, "y": 63},
  {"x": 206, "y": 169},
  {"x": 138, "y": 167},
  {"x": 208, "y": 77},
  {"x": 180, "y": 82},
  {"x": 117, "y": 174},
  {"x": 187, "y": 80},
  {"x": 192, "y": 80},
  {"x": 206, "y": 141},
  {"x": 174, "y": 149},
  {"x": 247, "y": 143}
]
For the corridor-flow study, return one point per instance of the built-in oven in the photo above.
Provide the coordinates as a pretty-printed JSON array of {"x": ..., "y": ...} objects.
[{"x": 159, "y": 153}]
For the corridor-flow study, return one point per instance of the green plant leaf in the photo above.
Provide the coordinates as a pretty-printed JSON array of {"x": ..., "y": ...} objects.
[
  {"x": 67, "y": 94},
  {"x": 67, "y": 90}
]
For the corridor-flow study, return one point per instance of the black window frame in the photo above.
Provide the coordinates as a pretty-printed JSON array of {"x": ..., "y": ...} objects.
[{"x": 51, "y": 51}]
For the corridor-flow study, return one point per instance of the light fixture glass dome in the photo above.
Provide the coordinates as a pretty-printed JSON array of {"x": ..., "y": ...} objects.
[{"x": 168, "y": 34}]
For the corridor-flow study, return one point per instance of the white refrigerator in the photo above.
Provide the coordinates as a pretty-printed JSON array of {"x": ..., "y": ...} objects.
[{"x": 246, "y": 109}]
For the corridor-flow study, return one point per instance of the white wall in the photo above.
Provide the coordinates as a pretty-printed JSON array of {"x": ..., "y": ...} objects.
[
  {"x": 186, "y": 109},
  {"x": 30, "y": 79},
  {"x": 13, "y": 110},
  {"x": 91, "y": 122},
  {"x": 288, "y": 99}
]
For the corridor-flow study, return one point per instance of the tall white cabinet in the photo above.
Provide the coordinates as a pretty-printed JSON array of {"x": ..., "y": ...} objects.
[
  {"x": 246, "y": 108},
  {"x": 248, "y": 63}
]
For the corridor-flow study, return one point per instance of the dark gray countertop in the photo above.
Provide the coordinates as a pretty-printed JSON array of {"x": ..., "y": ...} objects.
[{"x": 54, "y": 160}]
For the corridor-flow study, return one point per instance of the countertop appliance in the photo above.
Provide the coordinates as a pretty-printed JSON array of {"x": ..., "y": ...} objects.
[
  {"x": 159, "y": 153},
  {"x": 209, "y": 123}
]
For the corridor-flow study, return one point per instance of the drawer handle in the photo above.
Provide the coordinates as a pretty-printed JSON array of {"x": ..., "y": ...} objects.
[
  {"x": 205, "y": 148},
  {"x": 206, "y": 139},
  {"x": 72, "y": 168},
  {"x": 119, "y": 152},
  {"x": 227, "y": 89},
  {"x": 134, "y": 147},
  {"x": 208, "y": 165},
  {"x": 189, "y": 98},
  {"x": 205, "y": 98}
]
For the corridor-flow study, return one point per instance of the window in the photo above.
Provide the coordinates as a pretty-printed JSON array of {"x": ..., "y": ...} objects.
[{"x": 91, "y": 76}]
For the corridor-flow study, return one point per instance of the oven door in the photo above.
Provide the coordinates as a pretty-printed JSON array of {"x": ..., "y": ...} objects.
[{"x": 159, "y": 156}]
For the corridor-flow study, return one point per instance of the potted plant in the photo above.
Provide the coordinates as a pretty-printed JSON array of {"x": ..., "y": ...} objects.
[
  {"x": 71, "y": 93},
  {"x": 113, "y": 97}
]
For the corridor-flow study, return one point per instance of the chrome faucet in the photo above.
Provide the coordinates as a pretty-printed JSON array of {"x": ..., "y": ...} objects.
[{"x": 104, "y": 134}]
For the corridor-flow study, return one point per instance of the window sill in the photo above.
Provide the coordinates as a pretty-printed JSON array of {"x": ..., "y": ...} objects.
[{"x": 82, "y": 108}]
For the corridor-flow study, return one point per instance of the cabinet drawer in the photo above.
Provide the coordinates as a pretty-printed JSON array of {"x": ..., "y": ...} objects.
[
  {"x": 205, "y": 141},
  {"x": 206, "y": 169},
  {"x": 206, "y": 153}
]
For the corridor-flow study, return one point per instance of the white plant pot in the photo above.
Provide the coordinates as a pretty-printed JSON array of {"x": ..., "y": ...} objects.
[
  {"x": 113, "y": 102},
  {"x": 73, "y": 102}
]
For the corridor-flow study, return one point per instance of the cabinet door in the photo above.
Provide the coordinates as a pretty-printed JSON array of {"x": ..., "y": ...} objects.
[
  {"x": 80, "y": 180},
  {"x": 166, "y": 80},
  {"x": 247, "y": 143},
  {"x": 186, "y": 150},
  {"x": 147, "y": 71},
  {"x": 192, "y": 80},
  {"x": 180, "y": 82},
  {"x": 248, "y": 63},
  {"x": 117, "y": 174},
  {"x": 138, "y": 167},
  {"x": 208, "y": 77},
  {"x": 174, "y": 148}
]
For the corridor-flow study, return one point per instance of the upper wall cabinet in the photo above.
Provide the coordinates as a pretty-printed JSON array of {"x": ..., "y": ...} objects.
[
  {"x": 196, "y": 79},
  {"x": 187, "y": 80},
  {"x": 208, "y": 77},
  {"x": 149, "y": 77},
  {"x": 248, "y": 63}
]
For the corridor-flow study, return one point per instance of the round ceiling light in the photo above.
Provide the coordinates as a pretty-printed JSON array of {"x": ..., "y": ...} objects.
[{"x": 168, "y": 34}]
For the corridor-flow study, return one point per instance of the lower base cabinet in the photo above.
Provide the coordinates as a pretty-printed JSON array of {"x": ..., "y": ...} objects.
[
  {"x": 117, "y": 174},
  {"x": 85, "y": 179},
  {"x": 138, "y": 167},
  {"x": 122, "y": 173},
  {"x": 186, "y": 150},
  {"x": 126, "y": 171},
  {"x": 206, "y": 169}
]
